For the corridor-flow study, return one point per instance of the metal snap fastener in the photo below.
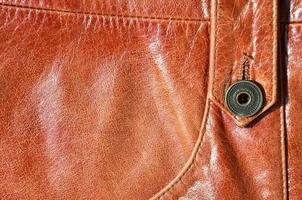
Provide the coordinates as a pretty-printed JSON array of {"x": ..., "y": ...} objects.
[{"x": 244, "y": 98}]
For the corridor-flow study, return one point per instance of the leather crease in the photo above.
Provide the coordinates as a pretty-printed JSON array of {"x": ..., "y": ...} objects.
[{"x": 125, "y": 99}]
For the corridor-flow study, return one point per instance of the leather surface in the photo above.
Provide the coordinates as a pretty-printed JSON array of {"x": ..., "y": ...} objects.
[
  {"x": 293, "y": 37},
  {"x": 95, "y": 106},
  {"x": 244, "y": 32},
  {"x": 180, "y": 9},
  {"x": 110, "y": 100}
]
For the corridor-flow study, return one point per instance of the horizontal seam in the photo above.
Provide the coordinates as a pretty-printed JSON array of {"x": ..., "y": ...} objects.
[{"x": 103, "y": 14}]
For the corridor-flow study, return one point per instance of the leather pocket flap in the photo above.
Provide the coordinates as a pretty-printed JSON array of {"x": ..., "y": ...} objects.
[{"x": 244, "y": 47}]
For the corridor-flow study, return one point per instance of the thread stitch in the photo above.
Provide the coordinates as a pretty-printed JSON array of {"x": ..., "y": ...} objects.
[{"x": 61, "y": 11}]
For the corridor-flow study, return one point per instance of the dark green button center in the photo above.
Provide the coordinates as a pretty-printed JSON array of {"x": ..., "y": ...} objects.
[{"x": 244, "y": 98}]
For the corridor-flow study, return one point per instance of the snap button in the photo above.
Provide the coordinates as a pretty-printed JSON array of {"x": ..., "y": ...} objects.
[{"x": 244, "y": 98}]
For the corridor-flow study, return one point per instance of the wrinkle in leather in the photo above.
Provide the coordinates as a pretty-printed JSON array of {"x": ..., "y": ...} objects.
[
  {"x": 94, "y": 107},
  {"x": 166, "y": 9},
  {"x": 105, "y": 99}
]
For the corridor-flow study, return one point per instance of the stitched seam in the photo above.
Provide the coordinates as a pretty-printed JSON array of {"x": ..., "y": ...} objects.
[
  {"x": 204, "y": 123},
  {"x": 282, "y": 109},
  {"x": 282, "y": 148},
  {"x": 275, "y": 82},
  {"x": 195, "y": 154},
  {"x": 284, "y": 163},
  {"x": 196, "y": 150},
  {"x": 126, "y": 16},
  {"x": 219, "y": 103},
  {"x": 244, "y": 121},
  {"x": 282, "y": 143}
]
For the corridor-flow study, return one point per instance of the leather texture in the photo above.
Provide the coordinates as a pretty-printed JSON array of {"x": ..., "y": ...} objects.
[
  {"x": 243, "y": 35},
  {"x": 123, "y": 99}
]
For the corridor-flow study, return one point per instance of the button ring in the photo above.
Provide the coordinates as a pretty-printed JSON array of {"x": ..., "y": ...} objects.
[{"x": 244, "y": 98}]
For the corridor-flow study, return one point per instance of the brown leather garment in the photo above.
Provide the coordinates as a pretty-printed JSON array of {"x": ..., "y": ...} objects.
[{"x": 124, "y": 99}]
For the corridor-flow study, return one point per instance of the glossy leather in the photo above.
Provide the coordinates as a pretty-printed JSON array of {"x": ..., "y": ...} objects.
[{"x": 117, "y": 99}]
